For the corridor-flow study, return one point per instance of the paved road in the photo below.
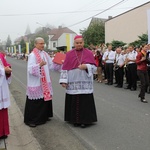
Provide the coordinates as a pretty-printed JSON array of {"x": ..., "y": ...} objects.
[{"x": 123, "y": 121}]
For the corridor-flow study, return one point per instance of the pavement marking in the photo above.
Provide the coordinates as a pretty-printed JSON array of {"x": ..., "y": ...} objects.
[{"x": 24, "y": 86}]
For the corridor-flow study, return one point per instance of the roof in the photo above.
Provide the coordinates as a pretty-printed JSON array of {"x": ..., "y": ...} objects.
[
  {"x": 94, "y": 19},
  {"x": 128, "y": 11},
  {"x": 58, "y": 32}
]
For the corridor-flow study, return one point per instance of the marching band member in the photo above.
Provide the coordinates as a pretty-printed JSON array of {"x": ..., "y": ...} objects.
[
  {"x": 119, "y": 68},
  {"x": 108, "y": 58},
  {"x": 132, "y": 69}
]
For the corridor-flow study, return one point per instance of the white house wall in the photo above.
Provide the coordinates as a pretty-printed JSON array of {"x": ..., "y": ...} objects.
[
  {"x": 62, "y": 39},
  {"x": 128, "y": 26}
]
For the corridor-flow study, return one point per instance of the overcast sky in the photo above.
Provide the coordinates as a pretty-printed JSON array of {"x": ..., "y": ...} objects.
[{"x": 15, "y": 15}]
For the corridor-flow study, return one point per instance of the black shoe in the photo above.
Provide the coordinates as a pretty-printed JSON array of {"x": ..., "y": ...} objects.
[
  {"x": 32, "y": 125},
  {"x": 83, "y": 125},
  {"x": 116, "y": 86},
  {"x": 127, "y": 88},
  {"x": 119, "y": 86},
  {"x": 133, "y": 89},
  {"x": 110, "y": 83},
  {"x": 139, "y": 96},
  {"x": 4, "y": 137},
  {"x": 143, "y": 100},
  {"x": 77, "y": 124},
  {"x": 48, "y": 119}
]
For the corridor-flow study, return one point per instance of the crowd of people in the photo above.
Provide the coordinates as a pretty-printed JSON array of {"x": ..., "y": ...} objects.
[
  {"x": 119, "y": 67},
  {"x": 124, "y": 66}
]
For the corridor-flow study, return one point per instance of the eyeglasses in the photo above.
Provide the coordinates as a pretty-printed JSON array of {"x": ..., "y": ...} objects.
[{"x": 41, "y": 43}]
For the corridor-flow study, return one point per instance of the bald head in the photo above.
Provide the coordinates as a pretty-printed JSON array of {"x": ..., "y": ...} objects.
[
  {"x": 39, "y": 43},
  {"x": 37, "y": 40}
]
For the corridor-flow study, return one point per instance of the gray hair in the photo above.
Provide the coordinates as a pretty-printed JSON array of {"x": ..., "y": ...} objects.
[{"x": 37, "y": 39}]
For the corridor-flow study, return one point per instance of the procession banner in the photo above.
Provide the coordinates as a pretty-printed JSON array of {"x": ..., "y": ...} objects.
[
  {"x": 15, "y": 49},
  {"x": 19, "y": 47},
  {"x": 68, "y": 42},
  {"x": 12, "y": 50},
  {"x": 9, "y": 49},
  {"x": 27, "y": 48}
]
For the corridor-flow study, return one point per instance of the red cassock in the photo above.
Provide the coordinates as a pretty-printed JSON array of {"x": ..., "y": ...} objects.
[{"x": 4, "y": 124}]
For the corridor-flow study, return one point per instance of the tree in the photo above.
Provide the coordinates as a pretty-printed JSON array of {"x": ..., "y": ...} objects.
[
  {"x": 94, "y": 34},
  {"x": 39, "y": 29},
  {"x": 116, "y": 44},
  {"x": 142, "y": 39},
  {"x": 23, "y": 45},
  {"x": 8, "y": 42},
  {"x": 31, "y": 45}
]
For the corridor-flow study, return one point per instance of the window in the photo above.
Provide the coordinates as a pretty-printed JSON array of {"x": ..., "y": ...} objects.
[{"x": 54, "y": 44}]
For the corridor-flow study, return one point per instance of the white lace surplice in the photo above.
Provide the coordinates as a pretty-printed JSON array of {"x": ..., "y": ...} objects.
[
  {"x": 79, "y": 81},
  {"x": 34, "y": 87},
  {"x": 4, "y": 90}
]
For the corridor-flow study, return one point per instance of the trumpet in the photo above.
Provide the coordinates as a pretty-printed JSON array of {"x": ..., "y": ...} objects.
[{"x": 126, "y": 61}]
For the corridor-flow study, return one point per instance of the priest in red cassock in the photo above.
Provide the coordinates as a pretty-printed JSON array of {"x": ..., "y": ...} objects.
[
  {"x": 77, "y": 77},
  {"x": 5, "y": 73}
]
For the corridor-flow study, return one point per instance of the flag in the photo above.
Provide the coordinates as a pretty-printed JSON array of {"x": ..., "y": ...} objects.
[
  {"x": 27, "y": 48},
  {"x": 68, "y": 42}
]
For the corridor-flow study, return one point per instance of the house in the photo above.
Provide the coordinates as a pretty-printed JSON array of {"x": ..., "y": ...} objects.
[
  {"x": 61, "y": 38},
  {"x": 128, "y": 26}
]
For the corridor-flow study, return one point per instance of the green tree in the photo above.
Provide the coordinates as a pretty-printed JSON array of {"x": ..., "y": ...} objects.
[
  {"x": 31, "y": 45},
  {"x": 23, "y": 45},
  {"x": 116, "y": 44},
  {"x": 94, "y": 34},
  {"x": 142, "y": 39},
  {"x": 8, "y": 42}
]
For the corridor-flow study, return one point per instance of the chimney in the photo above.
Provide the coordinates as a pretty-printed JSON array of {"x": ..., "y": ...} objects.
[
  {"x": 110, "y": 17},
  {"x": 59, "y": 27}
]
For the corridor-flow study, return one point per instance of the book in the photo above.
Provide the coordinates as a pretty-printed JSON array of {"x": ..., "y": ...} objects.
[{"x": 59, "y": 58}]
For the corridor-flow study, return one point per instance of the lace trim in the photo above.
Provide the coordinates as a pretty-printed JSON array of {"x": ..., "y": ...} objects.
[
  {"x": 80, "y": 85},
  {"x": 1, "y": 73},
  {"x": 4, "y": 100},
  {"x": 35, "y": 93},
  {"x": 63, "y": 74},
  {"x": 57, "y": 67},
  {"x": 35, "y": 70}
]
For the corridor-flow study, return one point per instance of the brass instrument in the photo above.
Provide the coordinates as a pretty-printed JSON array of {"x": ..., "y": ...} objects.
[
  {"x": 116, "y": 67},
  {"x": 126, "y": 61}
]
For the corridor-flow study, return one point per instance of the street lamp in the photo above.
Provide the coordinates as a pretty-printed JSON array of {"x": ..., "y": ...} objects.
[{"x": 40, "y": 24}]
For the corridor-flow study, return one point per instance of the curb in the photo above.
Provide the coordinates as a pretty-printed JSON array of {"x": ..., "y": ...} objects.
[{"x": 21, "y": 137}]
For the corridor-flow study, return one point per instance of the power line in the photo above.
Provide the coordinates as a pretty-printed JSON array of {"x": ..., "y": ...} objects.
[
  {"x": 65, "y": 12},
  {"x": 97, "y": 13},
  {"x": 69, "y": 12}
]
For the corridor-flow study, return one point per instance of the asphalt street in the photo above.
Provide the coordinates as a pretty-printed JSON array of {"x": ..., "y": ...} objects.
[{"x": 123, "y": 121}]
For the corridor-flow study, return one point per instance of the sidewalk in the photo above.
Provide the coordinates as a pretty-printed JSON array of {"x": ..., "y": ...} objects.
[{"x": 21, "y": 137}]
